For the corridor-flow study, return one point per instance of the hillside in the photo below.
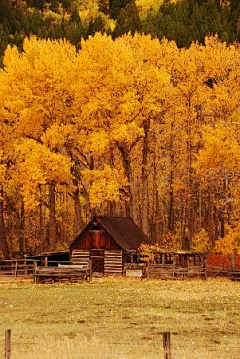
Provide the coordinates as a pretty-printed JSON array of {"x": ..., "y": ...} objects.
[{"x": 183, "y": 21}]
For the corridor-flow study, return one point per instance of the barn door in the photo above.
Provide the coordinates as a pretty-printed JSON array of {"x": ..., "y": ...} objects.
[{"x": 97, "y": 257}]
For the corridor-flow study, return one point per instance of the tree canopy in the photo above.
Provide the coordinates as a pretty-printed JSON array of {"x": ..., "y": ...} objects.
[{"x": 130, "y": 126}]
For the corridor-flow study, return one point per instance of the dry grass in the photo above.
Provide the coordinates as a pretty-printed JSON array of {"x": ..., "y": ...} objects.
[{"x": 122, "y": 319}]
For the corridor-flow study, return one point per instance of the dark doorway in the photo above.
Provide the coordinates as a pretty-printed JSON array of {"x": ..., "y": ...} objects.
[{"x": 97, "y": 257}]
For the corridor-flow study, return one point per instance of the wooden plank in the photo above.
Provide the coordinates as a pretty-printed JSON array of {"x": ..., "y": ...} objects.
[
  {"x": 63, "y": 272},
  {"x": 134, "y": 273},
  {"x": 72, "y": 266},
  {"x": 113, "y": 262},
  {"x": 80, "y": 257}
]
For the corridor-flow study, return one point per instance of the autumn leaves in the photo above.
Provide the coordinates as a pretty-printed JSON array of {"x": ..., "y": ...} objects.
[{"x": 122, "y": 127}]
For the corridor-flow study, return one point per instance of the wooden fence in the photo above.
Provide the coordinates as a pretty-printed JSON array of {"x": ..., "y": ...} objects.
[
  {"x": 165, "y": 335},
  {"x": 173, "y": 272},
  {"x": 169, "y": 271},
  {"x": 63, "y": 272},
  {"x": 17, "y": 268},
  {"x": 28, "y": 268}
]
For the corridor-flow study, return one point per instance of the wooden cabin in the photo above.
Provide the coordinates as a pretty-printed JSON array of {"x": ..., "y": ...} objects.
[{"x": 108, "y": 242}]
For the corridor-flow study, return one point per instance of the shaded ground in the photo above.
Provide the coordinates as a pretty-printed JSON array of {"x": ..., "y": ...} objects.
[{"x": 122, "y": 318}]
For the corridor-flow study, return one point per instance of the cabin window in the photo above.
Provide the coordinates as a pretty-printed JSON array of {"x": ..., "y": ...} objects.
[{"x": 96, "y": 227}]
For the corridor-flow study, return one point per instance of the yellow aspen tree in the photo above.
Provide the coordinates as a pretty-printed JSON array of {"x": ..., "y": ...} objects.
[
  {"x": 36, "y": 96},
  {"x": 218, "y": 111},
  {"x": 194, "y": 102},
  {"x": 121, "y": 90}
]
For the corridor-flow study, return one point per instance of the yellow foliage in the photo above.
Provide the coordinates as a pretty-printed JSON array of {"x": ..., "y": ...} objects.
[
  {"x": 40, "y": 75},
  {"x": 89, "y": 11},
  {"x": 97, "y": 142},
  {"x": 147, "y": 252},
  {"x": 169, "y": 242},
  {"x": 200, "y": 242},
  {"x": 104, "y": 185},
  {"x": 231, "y": 242},
  {"x": 66, "y": 115},
  {"x": 127, "y": 133},
  {"x": 36, "y": 166},
  {"x": 221, "y": 149}
]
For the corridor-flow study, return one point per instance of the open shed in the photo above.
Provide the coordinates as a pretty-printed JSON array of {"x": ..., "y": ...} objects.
[{"x": 108, "y": 242}]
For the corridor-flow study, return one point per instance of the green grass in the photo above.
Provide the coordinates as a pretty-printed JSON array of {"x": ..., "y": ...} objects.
[{"x": 122, "y": 318}]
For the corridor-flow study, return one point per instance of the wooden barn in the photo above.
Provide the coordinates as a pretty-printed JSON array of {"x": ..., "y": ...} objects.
[{"x": 109, "y": 242}]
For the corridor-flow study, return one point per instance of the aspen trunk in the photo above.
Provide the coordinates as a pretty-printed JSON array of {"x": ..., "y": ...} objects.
[
  {"x": 210, "y": 220},
  {"x": 131, "y": 208},
  {"x": 75, "y": 170},
  {"x": 145, "y": 201},
  {"x": 42, "y": 232},
  {"x": 77, "y": 209},
  {"x": 157, "y": 218},
  {"x": 3, "y": 241},
  {"x": 171, "y": 177},
  {"x": 171, "y": 205},
  {"x": 52, "y": 217},
  {"x": 21, "y": 229},
  {"x": 189, "y": 220},
  {"x": 154, "y": 229},
  {"x": 112, "y": 208}
]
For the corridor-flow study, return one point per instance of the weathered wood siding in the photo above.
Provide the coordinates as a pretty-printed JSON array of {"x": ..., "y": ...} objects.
[
  {"x": 80, "y": 257},
  {"x": 93, "y": 239},
  {"x": 113, "y": 263}
]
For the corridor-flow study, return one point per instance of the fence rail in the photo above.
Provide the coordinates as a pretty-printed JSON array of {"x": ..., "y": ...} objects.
[
  {"x": 17, "y": 268},
  {"x": 165, "y": 335},
  {"x": 27, "y": 268},
  {"x": 170, "y": 271},
  {"x": 63, "y": 272}
]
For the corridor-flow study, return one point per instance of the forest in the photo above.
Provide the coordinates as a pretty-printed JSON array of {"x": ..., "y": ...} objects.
[
  {"x": 183, "y": 21},
  {"x": 110, "y": 117}
]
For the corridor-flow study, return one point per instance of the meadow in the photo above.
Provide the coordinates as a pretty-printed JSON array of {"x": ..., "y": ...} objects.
[{"x": 121, "y": 319}]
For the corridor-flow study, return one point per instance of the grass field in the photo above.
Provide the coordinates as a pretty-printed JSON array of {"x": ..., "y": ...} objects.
[{"x": 121, "y": 318}]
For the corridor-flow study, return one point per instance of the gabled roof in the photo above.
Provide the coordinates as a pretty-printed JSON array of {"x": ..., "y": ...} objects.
[{"x": 123, "y": 230}]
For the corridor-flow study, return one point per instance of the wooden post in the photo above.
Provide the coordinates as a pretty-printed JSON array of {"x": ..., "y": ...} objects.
[
  {"x": 204, "y": 261},
  {"x": 233, "y": 261},
  {"x": 25, "y": 265},
  {"x": 167, "y": 345},
  {"x": 34, "y": 271},
  {"x": 7, "y": 344},
  {"x": 148, "y": 269},
  {"x": 45, "y": 261},
  {"x": 16, "y": 268},
  {"x": 90, "y": 270}
]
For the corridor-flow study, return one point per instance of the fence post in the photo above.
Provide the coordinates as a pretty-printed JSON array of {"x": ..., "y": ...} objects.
[
  {"x": 90, "y": 270},
  {"x": 25, "y": 265},
  {"x": 7, "y": 344},
  {"x": 16, "y": 269},
  {"x": 148, "y": 269},
  {"x": 167, "y": 345},
  {"x": 34, "y": 271}
]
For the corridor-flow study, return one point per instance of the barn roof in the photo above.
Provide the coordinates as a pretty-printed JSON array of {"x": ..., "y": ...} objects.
[{"x": 123, "y": 230}]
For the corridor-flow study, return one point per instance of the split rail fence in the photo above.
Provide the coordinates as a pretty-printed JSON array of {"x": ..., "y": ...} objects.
[
  {"x": 63, "y": 272},
  {"x": 165, "y": 335},
  {"x": 17, "y": 268},
  {"x": 28, "y": 268}
]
